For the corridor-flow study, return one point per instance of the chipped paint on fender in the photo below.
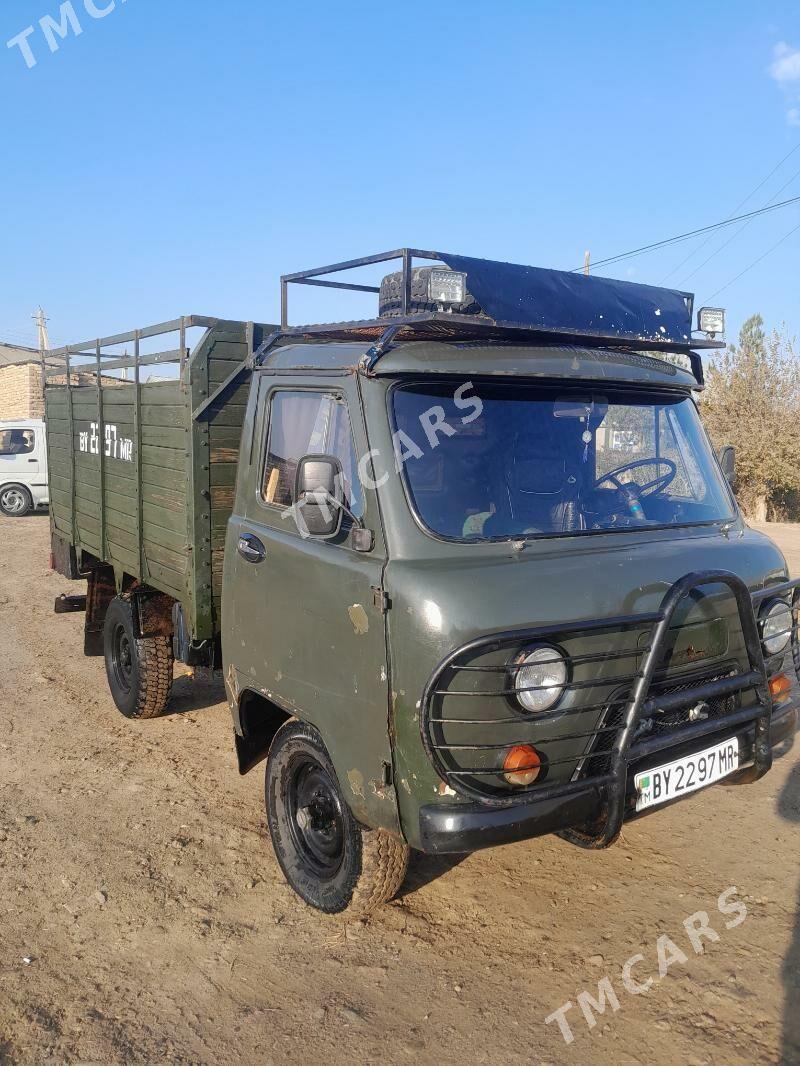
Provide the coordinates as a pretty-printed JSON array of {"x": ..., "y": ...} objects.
[
  {"x": 358, "y": 619},
  {"x": 231, "y": 684},
  {"x": 356, "y": 780}
]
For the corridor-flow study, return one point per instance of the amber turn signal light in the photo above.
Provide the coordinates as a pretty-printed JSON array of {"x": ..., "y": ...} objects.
[
  {"x": 522, "y": 765},
  {"x": 780, "y": 686}
]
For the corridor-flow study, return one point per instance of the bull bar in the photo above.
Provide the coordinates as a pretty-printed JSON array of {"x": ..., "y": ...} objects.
[{"x": 590, "y": 811}]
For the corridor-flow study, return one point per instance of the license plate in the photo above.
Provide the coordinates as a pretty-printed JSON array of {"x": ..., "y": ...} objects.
[{"x": 678, "y": 778}]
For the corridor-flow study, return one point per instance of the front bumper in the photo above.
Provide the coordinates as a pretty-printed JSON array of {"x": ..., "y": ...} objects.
[{"x": 452, "y": 828}]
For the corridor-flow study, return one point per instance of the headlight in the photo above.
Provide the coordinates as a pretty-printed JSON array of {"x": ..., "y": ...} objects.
[
  {"x": 776, "y": 626},
  {"x": 539, "y": 678}
]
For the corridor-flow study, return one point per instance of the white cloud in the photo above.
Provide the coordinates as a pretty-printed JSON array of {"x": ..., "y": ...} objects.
[
  {"x": 785, "y": 72},
  {"x": 785, "y": 67}
]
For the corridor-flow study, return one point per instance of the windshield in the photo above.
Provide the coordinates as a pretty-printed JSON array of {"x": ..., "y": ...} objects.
[{"x": 514, "y": 461}]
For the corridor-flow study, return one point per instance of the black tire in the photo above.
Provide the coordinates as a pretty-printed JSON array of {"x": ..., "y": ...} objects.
[
  {"x": 390, "y": 299},
  {"x": 139, "y": 670},
  {"x": 15, "y": 501},
  {"x": 331, "y": 862}
]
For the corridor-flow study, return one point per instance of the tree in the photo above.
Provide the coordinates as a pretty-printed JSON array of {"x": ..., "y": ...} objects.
[{"x": 752, "y": 401}]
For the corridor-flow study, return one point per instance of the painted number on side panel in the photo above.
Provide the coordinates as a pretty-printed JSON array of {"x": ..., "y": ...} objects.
[{"x": 116, "y": 447}]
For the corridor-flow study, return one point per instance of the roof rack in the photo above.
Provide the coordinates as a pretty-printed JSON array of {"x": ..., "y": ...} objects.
[
  {"x": 314, "y": 277},
  {"x": 520, "y": 304}
]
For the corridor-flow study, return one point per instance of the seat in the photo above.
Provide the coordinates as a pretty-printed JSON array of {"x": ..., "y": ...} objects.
[
  {"x": 456, "y": 485},
  {"x": 543, "y": 498}
]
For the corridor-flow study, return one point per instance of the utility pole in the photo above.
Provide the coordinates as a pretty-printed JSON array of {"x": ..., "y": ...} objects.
[
  {"x": 41, "y": 321},
  {"x": 44, "y": 342},
  {"x": 587, "y": 258}
]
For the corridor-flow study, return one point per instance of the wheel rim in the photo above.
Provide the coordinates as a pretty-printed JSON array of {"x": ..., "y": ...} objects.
[
  {"x": 13, "y": 501},
  {"x": 122, "y": 658},
  {"x": 316, "y": 819}
]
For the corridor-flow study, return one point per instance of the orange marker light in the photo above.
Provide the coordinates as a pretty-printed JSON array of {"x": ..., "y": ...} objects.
[
  {"x": 780, "y": 686},
  {"x": 522, "y": 765}
]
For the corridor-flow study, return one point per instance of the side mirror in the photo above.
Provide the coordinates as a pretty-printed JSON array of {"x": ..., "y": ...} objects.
[
  {"x": 318, "y": 496},
  {"x": 727, "y": 460}
]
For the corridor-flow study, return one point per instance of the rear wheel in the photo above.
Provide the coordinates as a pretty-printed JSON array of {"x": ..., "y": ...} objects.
[
  {"x": 15, "y": 501},
  {"x": 331, "y": 861},
  {"x": 139, "y": 669}
]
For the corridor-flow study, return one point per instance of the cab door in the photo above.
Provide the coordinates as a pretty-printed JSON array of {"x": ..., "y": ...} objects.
[{"x": 308, "y": 628}]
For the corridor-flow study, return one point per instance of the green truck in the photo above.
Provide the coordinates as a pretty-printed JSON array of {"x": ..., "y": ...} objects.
[{"x": 470, "y": 568}]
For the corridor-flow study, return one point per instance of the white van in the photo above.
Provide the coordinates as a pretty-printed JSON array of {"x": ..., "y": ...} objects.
[{"x": 23, "y": 466}]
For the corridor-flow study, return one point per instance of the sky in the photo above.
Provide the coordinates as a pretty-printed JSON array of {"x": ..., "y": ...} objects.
[{"x": 178, "y": 157}]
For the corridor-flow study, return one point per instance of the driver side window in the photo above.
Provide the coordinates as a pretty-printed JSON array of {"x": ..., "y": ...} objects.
[{"x": 308, "y": 423}]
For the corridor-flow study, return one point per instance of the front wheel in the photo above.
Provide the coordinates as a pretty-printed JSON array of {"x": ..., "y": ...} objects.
[
  {"x": 331, "y": 861},
  {"x": 139, "y": 669},
  {"x": 15, "y": 501}
]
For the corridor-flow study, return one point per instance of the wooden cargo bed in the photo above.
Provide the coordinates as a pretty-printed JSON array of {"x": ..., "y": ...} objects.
[{"x": 135, "y": 481}]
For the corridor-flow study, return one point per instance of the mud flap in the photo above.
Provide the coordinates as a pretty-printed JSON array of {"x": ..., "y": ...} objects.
[
  {"x": 69, "y": 604},
  {"x": 101, "y": 590}
]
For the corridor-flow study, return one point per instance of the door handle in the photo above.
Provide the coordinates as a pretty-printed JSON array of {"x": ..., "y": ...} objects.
[{"x": 251, "y": 548}]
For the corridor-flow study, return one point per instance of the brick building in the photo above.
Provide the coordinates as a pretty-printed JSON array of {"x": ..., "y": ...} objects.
[{"x": 20, "y": 382}]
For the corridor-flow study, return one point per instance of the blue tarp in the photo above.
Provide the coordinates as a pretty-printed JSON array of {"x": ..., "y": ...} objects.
[{"x": 556, "y": 299}]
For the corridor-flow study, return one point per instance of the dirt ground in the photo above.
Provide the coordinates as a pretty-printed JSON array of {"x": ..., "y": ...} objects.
[{"x": 144, "y": 919}]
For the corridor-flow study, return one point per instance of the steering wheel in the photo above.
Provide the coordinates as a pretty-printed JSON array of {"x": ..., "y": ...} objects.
[{"x": 650, "y": 488}]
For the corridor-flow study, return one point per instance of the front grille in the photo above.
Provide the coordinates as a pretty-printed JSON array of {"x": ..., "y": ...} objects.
[
  {"x": 619, "y": 702},
  {"x": 659, "y": 724},
  {"x": 470, "y": 718},
  {"x": 703, "y": 710}
]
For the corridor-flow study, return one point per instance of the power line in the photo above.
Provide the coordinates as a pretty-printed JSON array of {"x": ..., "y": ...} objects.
[
  {"x": 692, "y": 233},
  {"x": 17, "y": 337},
  {"x": 741, "y": 204},
  {"x": 23, "y": 337},
  {"x": 755, "y": 262},
  {"x": 741, "y": 229}
]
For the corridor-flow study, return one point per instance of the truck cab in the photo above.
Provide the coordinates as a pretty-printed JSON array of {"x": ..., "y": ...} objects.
[
  {"x": 23, "y": 467},
  {"x": 483, "y": 576},
  {"x": 559, "y": 603}
]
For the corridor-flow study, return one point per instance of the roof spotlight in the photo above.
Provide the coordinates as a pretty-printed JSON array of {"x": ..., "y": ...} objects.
[
  {"x": 711, "y": 320},
  {"x": 447, "y": 287}
]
